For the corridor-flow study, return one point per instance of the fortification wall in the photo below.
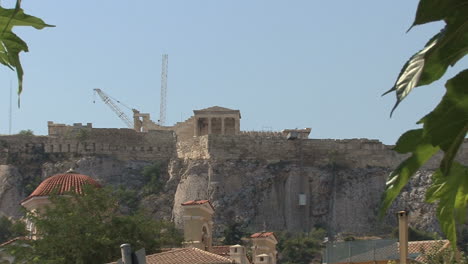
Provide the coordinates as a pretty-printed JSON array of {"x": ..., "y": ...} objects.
[
  {"x": 28, "y": 146},
  {"x": 123, "y": 143},
  {"x": 354, "y": 153},
  {"x": 193, "y": 148},
  {"x": 319, "y": 152}
]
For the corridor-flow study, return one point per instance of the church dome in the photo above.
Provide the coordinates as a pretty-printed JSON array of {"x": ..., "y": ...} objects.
[{"x": 63, "y": 183}]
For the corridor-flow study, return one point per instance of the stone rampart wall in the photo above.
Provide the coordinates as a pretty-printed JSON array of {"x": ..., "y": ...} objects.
[
  {"x": 21, "y": 143},
  {"x": 263, "y": 134},
  {"x": 352, "y": 152},
  {"x": 193, "y": 148},
  {"x": 123, "y": 143},
  {"x": 21, "y": 146}
]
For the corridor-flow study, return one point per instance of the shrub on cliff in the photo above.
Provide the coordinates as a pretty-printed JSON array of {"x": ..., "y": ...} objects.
[
  {"x": 151, "y": 178},
  {"x": 233, "y": 234},
  {"x": 27, "y": 132}
]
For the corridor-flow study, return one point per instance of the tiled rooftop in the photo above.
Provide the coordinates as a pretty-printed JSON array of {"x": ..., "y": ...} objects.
[
  {"x": 6, "y": 243},
  {"x": 186, "y": 256},
  {"x": 63, "y": 183},
  {"x": 220, "y": 250},
  {"x": 262, "y": 234},
  {"x": 426, "y": 247},
  {"x": 197, "y": 202}
]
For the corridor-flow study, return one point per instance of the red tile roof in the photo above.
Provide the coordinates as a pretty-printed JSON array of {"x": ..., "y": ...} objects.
[
  {"x": 13, "y": 240},
  {"x": 220, "y": 250},
  {"x": 197, "y": 202},
  {"x": 63, "y": 183},
  {"x": 262, "y": 234},
  {"x": 194, "y": 202},
  {"x": 186, "y": 256},
  {"x": 426, "y": 247}
]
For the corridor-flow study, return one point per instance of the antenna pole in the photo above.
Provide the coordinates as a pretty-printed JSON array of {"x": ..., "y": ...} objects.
[
  {"x": 10, "y": 110},
  {"x": 162, "y": 105}
]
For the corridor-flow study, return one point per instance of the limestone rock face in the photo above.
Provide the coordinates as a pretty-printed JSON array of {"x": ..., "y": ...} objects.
[
  {"x": 10, "y": 191},
  {"x": 265, "y": 194},
  {"x": 261, "y": 181}
]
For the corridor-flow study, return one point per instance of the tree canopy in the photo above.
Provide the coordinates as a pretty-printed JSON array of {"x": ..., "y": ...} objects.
[
  {"x": 301, "y": 247},
  {"x": 10, "y": 229},
  {"x": 233, "y": 234},
  {"x": 445, "y": 128},
  {"x": 90, "y": 229}
]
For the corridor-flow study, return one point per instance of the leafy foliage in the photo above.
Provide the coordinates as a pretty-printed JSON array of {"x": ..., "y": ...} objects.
[
  {"x": 27, "y": 132},
  {"x": 233, "y": 234},
  {"x": 10, "y": 229},
  {"x": 10, "y": 44},
  {"x": 128, "y": 199},
  {"x": 151, "y": 177},
  {"x": 300, "y": 248},
  {"x": 89, "y": 229},
  {"x": 416, "y": 235},
  {"x": 446, "y": 256},
  {"x": 446, "y": 127}
]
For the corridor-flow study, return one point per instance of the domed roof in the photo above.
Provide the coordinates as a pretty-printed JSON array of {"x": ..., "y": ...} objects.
[{"x": 63, "y": 183}]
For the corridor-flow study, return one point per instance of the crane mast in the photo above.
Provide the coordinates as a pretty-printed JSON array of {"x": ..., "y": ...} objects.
[
  {"x": 110, "y": 102},
  {"x": 162, "y": 105}
]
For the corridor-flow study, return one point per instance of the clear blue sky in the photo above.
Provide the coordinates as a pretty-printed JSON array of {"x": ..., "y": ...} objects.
[{"x": 283, "y": 64}]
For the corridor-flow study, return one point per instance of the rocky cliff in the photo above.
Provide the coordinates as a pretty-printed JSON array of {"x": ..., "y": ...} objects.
[{"x": 262, "y": 182}]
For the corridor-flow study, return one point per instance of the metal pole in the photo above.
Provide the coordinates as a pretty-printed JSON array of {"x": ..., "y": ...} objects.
[
  {"x": 403, "y": 236},
  {"x": 10, "y": 112}
]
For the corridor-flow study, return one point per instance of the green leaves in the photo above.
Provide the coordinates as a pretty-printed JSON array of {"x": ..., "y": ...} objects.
[
  {"x": 413, "y": 142},
  {"x": 447, "y": 124},
  {"x": 451, "y": 190},
  {"x": 435, "y": 10},
  {"x": 89, "y": 229},
  {"x": 445, "y": 128},
  {"x": 411, "y": 73},
  {"x": 443, "y": 50},
  {"x": 10, "y": 44}
]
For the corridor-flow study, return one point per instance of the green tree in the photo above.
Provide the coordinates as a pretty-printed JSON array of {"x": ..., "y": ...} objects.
[
  {"x": 151, "y": 177},
  {"x": 11, "y": 44},
  {"x": 10, "y": 229},
  {"x": 233, "y": 234},
  {"x": 90, "y": 229},
  {"x": 416, "y": 234},
  {"x": 300, "y": 248},
  {"x": 27, "y": 132},
  {"x": 445, "y": 128}
]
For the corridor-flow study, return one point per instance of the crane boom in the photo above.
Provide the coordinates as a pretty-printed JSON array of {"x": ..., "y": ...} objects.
[
  {"x": 162, "y": 105},
  {"x": 108, "y": 101}
]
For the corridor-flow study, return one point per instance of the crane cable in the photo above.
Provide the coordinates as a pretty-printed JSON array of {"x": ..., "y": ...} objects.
[{"x": 117, "y": 101}]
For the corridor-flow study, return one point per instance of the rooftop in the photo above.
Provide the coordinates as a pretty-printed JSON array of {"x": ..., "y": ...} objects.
[
  {"x": 63, "y": 183},
  {"x": 186, "y": 256}
]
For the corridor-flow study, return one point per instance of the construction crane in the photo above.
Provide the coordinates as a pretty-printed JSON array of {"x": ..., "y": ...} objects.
[
  {"x": 162, "y": 105},
  {"x": 109, "y": 101}
]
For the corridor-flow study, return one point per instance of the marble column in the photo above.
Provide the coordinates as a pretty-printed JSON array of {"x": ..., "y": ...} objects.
[
  {"x": 222, "y": 126},
  {"x": 209, "y": 125},
  {"x": 195, "y": 132}
]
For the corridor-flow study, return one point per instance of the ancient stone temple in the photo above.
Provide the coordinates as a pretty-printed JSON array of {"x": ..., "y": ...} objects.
[{"x": 217, "y": 120}]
